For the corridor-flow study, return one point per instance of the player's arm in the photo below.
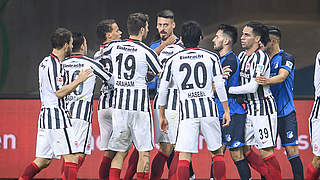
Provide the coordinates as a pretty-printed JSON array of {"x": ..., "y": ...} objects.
[
  {"x": 67, "y": 89},
  {"x": 153, "y": 63},
  {"x": 165, "y": 79},
  {"x": 99, "y": 71},
  {"x": 279, "y": 78},
  {"x": 170, "y": 40},
  {"x": 316, "y": 82}
]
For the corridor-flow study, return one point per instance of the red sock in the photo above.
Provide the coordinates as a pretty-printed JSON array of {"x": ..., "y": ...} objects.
[
  {"x": 312, "y": 172},
  {"x": 80, "y": 162},
  {"x": 30, "y": 171},
  {"x": 104, "y": 168},
  {"x": 132, "y": 165},
  {"x": 114, "y": 174},
  {"x": 183, "y": 170},
  {"x": 219, "y": 167},
  {"x": 70, "y": 171},
  {"x": 257, "y": 163},
  {"x": 273, "y": 166},
  {"x": 62, "y": 167},
  {"x": 142, "y": 175},
  {"x": 158, "y": 165},
  {"x": 173, "y": 167}
]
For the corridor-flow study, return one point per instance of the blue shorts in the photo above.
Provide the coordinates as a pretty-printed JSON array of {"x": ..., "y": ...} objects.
[
  {"x": 233, "y": 135},
  {"x": 288, "y": 130}
]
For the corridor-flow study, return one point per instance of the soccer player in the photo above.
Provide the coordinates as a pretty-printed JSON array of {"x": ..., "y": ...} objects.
[
  {"x": 55, "y": 132},
  {"x": 281, "y": 85},
  {"x": 194, "y": 70},
  {"x": 261, "y": 123},
  {"x": 232, "y": 135},
  {"x": 313, "y": 170},
  {"x": 80, "y": 100},
  {"x": 131, "y": 116},
  {"x": 107, "y": 31}
]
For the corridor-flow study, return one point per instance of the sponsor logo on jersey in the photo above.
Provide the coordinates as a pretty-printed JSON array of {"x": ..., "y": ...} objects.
[
  {"x": 242, "y": 74},
  {"x": 247, "y": 66},
  {"x": 76, "y": 143},
  {"x": 289, "y": 134},
  {"x": 78, "y": 65},
  {"x": 315, "y": 147},
  {"x": 236, "y": 144},
  {"x": 289, "y": 64},
  {"x": 192, "y": 56},
  {"x": 128, "y": 48},
  {"x": 259, "y": 69},
  {"x": 168, "y": 53}
]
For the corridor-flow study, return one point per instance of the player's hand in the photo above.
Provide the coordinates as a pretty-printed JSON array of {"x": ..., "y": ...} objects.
[
  {"x": 262, "y": 80},
  {"x": 180, "y": 41},
  {"x": 170, "y": 40},
  {"x": 85, "y": 74},
  {"x": 163, "y": 124},
  {"x": 150, "y": 76},
  {"x": 226, "y": 72},
  {"x": 226, "y": 119}
]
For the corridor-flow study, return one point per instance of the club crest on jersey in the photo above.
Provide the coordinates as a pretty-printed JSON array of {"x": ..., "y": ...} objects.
[
  {"x": 315, "y": 147},
  {"x": 59, "y": 81},
  {"x": 289, "y": 64},
  {"x": 247, "y": 66},
  {"x": 259, "y": 69}
]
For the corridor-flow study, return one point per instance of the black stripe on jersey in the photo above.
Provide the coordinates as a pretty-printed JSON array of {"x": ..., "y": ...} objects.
[
  {"x": 214, "y": 73},
  {"x": 254, "y": 108},
  {"x": 262, "y": 107},
  {"x": 86, "y": 111},
  {"x": 181, "y": 110},
  {"x": 143, "y": 99},
  {"x": 317, "y": 110},
  {"x": 111, "y": 97},
  {"x": 135, "y": 100},
  {"x": 86, "y": 141},
  {"x": 115, "y": 98},
  {"x": 49, "y": 78},
  {"x": 169, "y": 72},
  {"x": 174, "y": 99},
  {"x": 270, "y": 105},
  {"x": 54, "y": 68},
  {"x": 314, "y": 108},
  {"x": 150, "y": 50},
  {"x": 168, "y": 95},
  {"x": 155, "y": 102},
  {"x": 79, "y": 109},
  {"x": 68, "y": 141},
  {"x": 152, "y": 66},
  {"x": 210, "y": 106},
  {"x": 44, "y": 113},
  {"x": 49, "y": 119},
  {"x": 120, "y": 99},
  {"x": 194, "y": 106},
  {"x": 103, "y": 105},
  {"x": 71, "y": 109},
  {"x": 128, "y": 99},
  {"x": 203, "y": 111},
  {"x": 241, "y": 55},
  {"x": 187, "y": 109},
  {"x": 56, "y": 112},
  {"x": 216, "y": 109}
]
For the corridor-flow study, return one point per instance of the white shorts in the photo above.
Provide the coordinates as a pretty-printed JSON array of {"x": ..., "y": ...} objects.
[
  {"x": 173, "y": 121},
  {"x": 261, "y": 131},
  {"x": 131, "y": 126},
  {"x": 188, "y": 134},
  {"x": 82, "y": 136},
  {"x": 105, "y": 124},
  {"x": 314, "y": 126}
]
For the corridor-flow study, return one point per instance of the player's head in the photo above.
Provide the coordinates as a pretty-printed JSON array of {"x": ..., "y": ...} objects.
[
  {"x": 165, "y": 23},
  {"x": 191, "y": 34},
  {"x": 79, "y": 43},
  {"x": 61, "y": 39},
  {"x": 108, "y": 30},
  {"x": 226, "y": 36},
  {"x": 137, "y": 24},
  {"x": 253, "y": 34},
  {"x": 275, "y": 37}
]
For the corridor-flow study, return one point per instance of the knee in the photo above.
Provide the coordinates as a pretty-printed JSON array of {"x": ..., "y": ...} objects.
[
  {"x": 42, "y": 162},
  {"x": 219, "y": 151},
  {"x": 266, "y": 152},
  {"x": 185, "y": 156},
  {"x": 166, "y": 148},
  {"x": 236, "y": 154},
  {"x": 316, "y": 162}
]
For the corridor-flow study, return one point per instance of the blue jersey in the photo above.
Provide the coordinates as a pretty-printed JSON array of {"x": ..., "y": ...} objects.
[
  {"x": 283, "y": 92},
  {"x": 230, "y": 59}
]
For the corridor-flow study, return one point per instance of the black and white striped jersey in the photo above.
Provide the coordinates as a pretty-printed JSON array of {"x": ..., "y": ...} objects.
[
  {"x": 172, "y": 97},
  {"x": 193, "y": 71},
  {"x": 130, "y": 62},
  {"x": 79, "y": 102},
  {"x": 107, "y": 90},
  {"x": 261, "y": 101},
  {"x": 53, "y": 114},
  {"x": 316, "y": 82}
]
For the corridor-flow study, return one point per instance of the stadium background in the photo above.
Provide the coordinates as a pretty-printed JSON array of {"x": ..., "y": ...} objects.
[{"x": 25, "y": 28}]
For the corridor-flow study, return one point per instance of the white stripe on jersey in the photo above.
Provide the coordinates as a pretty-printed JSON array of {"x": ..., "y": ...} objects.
[
  {"x": 172, "y": 97},
  {"x": 193, "y": 71},
  {"x": 53, "y": 113},
  {"x": 80, "y": 100},
  {"x": 130, "y": 63},
  {"x": 250, "y": 67}
]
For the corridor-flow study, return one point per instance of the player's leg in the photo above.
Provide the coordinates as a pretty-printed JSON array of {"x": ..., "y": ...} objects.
[
  {"x": 116, "y": 165},
  {"x": 105, "y": 125},
  {"x": 183, "y": 165},
  {"x": 288, "y": 131},
  {"x": 34, "y": 168},
  {"x": 160, "y": 160},
  {"x": 132, "y": 165},
  {"x": 313, "y": 170}
]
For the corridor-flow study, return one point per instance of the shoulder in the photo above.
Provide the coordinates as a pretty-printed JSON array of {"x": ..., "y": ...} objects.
[
  {"x": 155, "y": 44},
  {"x": 211, "y": 54}
]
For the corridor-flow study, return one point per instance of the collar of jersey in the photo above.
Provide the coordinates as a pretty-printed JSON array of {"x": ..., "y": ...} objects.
[
  {"x": 227, "y": 54},
  {"x": 76, "y": 55},
  {"x": 190, "y": 48},
  {"x": 103, "y": 44},
  {"x": 132, "y": 40},
  {"x": 54, "y": 56}
]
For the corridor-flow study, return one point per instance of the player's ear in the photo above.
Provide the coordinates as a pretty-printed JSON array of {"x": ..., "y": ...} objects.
[
  {"x": 173, "y": 25},
  {"x": 257, "y": 39}
]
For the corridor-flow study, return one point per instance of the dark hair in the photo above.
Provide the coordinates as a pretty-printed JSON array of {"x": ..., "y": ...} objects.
[
  {"x": 274, "y": 30},
  {"x": 166, "y": 13},
  {"x": 135, "y": 22},
  {"x": 60, "y": 37},
  {"x": 261, "y": 30},
  {"x": 191, "y": 34},
  {"x": 78, "y": 39},
  {"x": 229, "y": 30},
  {"x": 104, "y": 27}
]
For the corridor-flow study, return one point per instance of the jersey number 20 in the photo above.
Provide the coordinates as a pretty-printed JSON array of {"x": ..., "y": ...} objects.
[{"x": 197, "y": 67}]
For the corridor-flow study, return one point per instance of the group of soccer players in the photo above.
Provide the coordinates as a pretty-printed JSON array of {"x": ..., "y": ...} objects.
[{"x": 198, "y": 90}]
